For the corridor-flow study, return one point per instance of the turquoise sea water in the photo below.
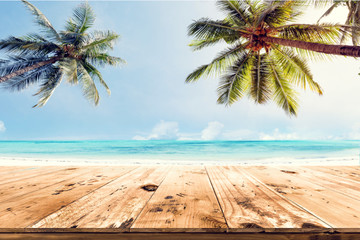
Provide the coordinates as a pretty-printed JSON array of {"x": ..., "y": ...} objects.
[{"x": 193, "y": 151}]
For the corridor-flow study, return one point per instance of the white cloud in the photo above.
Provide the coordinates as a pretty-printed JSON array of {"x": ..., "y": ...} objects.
[
  {"x": 170, "y": 131},
  {"x": 277, "y": 135},
  {"x": 162, "y": 131},
  {"x": 138, "y": 137},
  {"x": 212, "y": 131},
  {"x": 2, "y": 126}
]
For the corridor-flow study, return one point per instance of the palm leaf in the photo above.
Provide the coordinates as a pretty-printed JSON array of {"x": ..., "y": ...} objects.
[
  {"x": 96, "y": 74},
  {"x": 320, "y": 33},
  {"x": 217, "y": 66},
  {"x": 260, "y": 90},
  {"x": 42, "y": 20},
  {"x": 28, "y": 45},
  {"x": 234, "y": 83},
  {"x": 205, "y": 28},
  {"x": 48, "y": 87},
  {"x": 88, "y": 85},
  {"x": 69, "y": 68},
  {"x": 236, "y": 10},
  {"x": 99, "y": 41},
  {"x": 295, "y": 68},
  {"x": 83, "y": 18},
  {"x": 25, "y": 80},
  {"x": 283, "y": 93},
  {"x": 103, "y": 59},
  {"x": 333, "y": 6}
]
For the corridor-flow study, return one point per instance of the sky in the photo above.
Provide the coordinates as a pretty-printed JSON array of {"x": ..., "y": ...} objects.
[{"x": 150, "y": 99}]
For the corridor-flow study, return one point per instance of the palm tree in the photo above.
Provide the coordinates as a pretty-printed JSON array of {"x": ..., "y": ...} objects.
[
  {"x": 265, "y": 57},
  {"x": 72, "y": 54},
  {"x": 352, "y": 19}
]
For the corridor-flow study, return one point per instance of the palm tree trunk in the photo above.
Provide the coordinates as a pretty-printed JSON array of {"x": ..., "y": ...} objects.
[
  {"x": 343, "y": 50},
  {"x": 29, "y": 68}
]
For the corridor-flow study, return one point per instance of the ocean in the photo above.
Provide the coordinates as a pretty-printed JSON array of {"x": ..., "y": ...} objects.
[{"x": 178, "y": 152}]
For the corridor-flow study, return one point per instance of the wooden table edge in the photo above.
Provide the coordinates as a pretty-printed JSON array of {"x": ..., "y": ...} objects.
[{"x": 181, "y": 230}]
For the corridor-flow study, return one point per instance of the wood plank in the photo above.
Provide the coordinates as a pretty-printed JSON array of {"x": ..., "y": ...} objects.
[
  {"x": 114, "y": 205},
  {"x": 182, "y": 236},
  {"x": 26, "y": 173},
  {"x": 250, "y": 205},
  {"x": 184, "y": 202},
  {"x": 27, "y": 210},
  {"x": 22, "y": 187},
  {"x": 334, "y": 208},
  {"x": 11, "y": 169},
  {"x": 339, "y": 171},
  {"x": 341, "y": 185}
]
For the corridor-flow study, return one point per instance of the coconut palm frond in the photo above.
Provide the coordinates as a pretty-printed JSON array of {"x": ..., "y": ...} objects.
[
  {"x": 321, "y": 33},
  {"x": 103, "y": 59},
  {"x": 100, "y": 41},
  {"x": 238, "y": 11},
  {"x": 41, "y": 20},
  {"x": 27, "y": 46},
  {"x": 353, "y": 19},
  {"x": 96, "y": 74},
  {"x": 27, "y": 79},
  {"x": 295, "y": 68},
  {"x": 284, "y": 95},
  {"x": 320, "y": 3},
  {"x": 206, "y": 28},
  {"x": 224, "y": 60},
  {"x": 15, "y": 63},
  {"x": 278, "y": 13},
  {"x": 83, "y": 18},
  {"x": 268, "y": 35},
  {"x": 259, "y": 90},
  {"x": 333, "y": 6},
  {"x": 69, "y": 69},
  {"x": 48, "y": 58},
  {"x": 88, "y": 85},
  {"x": 237, "y": 79},
  {"x": 48, "y": 87}
]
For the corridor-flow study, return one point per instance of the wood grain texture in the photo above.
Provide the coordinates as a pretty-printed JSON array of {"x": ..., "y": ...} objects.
[
  {"x": 4, "y": 170},
  {"x": 25, "y": 173},
  {"x": 182, "y": 236},
  {"x": 110, "y": 200},
  {"x": 184, "y": 202},
  {"x": 346, "y": 172},
  {"x": 341, "y": 185},
  {"x": 114, "y": 205},
  {"x": 334, "y": 208},
  {"x": 249, "y": 204},
  {"x": 20, "y": 188},
  {"x": 21, "y": 212}
]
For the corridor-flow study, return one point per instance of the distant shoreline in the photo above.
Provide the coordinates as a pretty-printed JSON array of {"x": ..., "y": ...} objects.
[{"x": 106, "y": 161}]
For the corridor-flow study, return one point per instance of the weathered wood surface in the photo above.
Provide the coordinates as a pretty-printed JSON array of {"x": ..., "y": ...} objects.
[
  {"x": 20, "y": 188},
  {"x": 332, "y": 207},
  {"x": 181, "y": 236},
  {"x": 347, "y": 172},
  {"x": 114, "y": 205},
  {"x": 185, "y": 201},
  {"x": 348, "y": 187},
  {"x": 248, "y": 203},
  {"x": 25, "y": 173},
  {"x": 23, "y": 211}
]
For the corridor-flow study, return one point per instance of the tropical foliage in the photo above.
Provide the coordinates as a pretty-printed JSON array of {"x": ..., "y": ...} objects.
[
  {"x": 267, "y": 51},
  {"x": 46, "y": 59},
  {"x": 352, "y": 19}
]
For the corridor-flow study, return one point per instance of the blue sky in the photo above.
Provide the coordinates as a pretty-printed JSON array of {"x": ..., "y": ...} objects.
[{"x": 149, "y": 97}]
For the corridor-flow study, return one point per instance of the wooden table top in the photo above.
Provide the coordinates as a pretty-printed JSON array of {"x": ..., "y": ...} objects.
[{"x": 180, "y": 199}]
